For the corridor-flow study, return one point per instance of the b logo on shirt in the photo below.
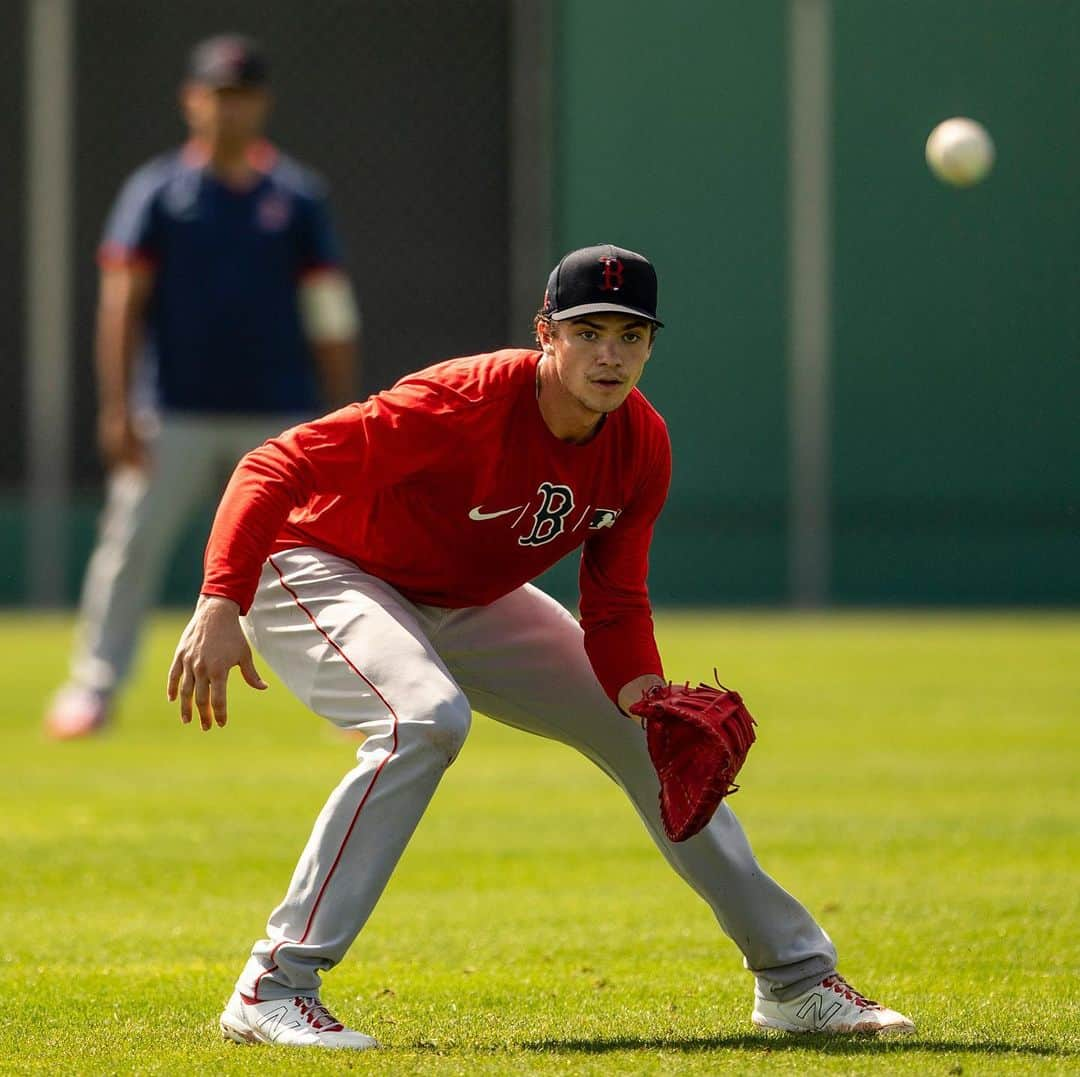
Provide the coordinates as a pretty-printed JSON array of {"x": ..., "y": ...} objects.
[{"x": 549, "y": 520}]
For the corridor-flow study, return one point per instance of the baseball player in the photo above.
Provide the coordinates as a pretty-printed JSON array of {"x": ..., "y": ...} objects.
[
  {"x": 224, "y": 318},
  {"x": 379, "y": 560}
]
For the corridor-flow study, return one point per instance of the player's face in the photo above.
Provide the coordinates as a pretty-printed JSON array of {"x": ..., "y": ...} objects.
[
  {"x": 599, "y": 358},
  {"x": 232, "y": 115}
]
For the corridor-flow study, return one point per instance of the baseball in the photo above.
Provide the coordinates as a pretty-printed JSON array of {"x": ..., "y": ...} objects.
[{"x": 960, "y": 152}]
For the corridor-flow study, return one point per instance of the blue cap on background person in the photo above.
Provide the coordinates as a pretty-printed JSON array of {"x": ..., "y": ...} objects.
[{"x": 228, "y": 60}]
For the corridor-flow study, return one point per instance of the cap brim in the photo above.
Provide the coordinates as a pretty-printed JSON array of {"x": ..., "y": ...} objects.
[{"x": 602, "y": 308}]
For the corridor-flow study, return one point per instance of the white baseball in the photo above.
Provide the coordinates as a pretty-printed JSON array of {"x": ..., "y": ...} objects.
[{"x": 960, "y": 152}]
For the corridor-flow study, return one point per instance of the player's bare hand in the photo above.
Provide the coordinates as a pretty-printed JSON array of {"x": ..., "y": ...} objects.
[
  {"x": 631, "y": 693},
  {"x": 210, "y": 646},
  {"x": 120, "y": 443}
]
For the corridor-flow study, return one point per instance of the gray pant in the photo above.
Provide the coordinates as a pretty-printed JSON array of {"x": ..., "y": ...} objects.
[
  {"x": 358, "y": 653},
  {"x": 190, "y": 457}
]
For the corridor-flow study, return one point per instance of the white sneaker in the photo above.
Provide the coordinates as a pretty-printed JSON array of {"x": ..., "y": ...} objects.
[
  {"x": 76, "y": 712},
  {"x": 831, "y": 1006},
  {"x": 301, "y": 1021}
]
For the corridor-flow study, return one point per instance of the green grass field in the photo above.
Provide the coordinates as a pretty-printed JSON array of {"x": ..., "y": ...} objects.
[{"x": 914, "y": 782}]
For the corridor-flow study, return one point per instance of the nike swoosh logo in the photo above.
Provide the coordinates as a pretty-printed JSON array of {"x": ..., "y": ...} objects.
[{"x": 476, "y": 514}]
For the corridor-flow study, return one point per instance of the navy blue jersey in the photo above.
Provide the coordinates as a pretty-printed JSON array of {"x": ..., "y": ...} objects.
[{"x": 223, "y": 329}]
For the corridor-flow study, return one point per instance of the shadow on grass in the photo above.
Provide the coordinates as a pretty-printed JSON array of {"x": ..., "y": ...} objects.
[{"x": 823, "y": 1044}]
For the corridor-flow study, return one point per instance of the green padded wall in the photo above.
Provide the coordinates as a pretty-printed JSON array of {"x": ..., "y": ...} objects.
[
  {"x": 956, "y": 358},
  {"x": 669, "y": 139}
]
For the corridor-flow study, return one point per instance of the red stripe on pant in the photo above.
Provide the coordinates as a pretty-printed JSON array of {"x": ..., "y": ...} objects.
[{"x": 363, "y": 799}]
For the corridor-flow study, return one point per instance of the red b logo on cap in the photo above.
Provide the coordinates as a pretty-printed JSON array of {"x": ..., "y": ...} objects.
[{"x": 613, "y": 274}]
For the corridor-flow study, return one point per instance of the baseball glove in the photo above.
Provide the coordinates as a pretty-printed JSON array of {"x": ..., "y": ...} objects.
[{"x": 698, "y": 739}]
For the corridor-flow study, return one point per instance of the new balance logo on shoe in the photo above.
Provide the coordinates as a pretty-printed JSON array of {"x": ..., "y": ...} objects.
[
  {"x": 268, "y": 1022},
  {"x": 815, "y": 1011}
]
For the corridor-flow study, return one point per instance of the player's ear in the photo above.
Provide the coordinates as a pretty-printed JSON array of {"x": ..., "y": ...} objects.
[
  {"x": 543, "y": 334},
  {"x": 189, "y": 96}
]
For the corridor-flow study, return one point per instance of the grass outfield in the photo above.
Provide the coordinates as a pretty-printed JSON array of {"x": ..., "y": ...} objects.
[{"x": 914, "y": 782}]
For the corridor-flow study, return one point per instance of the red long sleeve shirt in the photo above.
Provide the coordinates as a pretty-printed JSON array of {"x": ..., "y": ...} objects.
[{"x": 452, "y": 489}]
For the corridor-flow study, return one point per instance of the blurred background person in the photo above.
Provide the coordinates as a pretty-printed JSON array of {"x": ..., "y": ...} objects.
[{"x": 224, "y": 316}]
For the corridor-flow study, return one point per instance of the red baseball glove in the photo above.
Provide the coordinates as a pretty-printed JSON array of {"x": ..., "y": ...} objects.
[{"x": 698, "y": 739}]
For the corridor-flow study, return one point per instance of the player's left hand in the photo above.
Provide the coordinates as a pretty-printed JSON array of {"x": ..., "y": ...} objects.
[{"x": 210, "y": 646}]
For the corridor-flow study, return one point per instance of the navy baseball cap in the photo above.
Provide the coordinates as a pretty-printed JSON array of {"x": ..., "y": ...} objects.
[
  {"x": 594, "y": 280},
  {"x": 228, "y": 60}
]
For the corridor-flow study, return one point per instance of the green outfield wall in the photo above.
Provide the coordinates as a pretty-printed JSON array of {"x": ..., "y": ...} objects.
[
  {"x": 955, "y": 348},
  {"x": 670, "y": 139},
  {"x": 956, "y": 344},
  {"x": 957, "y": 441}
]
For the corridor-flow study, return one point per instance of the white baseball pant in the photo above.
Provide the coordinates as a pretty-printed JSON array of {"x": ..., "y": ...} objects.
[
  {"x": 357, "y": 652},
  {"x": 191, "y": 456}
]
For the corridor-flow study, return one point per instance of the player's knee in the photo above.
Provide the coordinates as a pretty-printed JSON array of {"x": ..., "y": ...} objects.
[{"x": 444, "y": 729}]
